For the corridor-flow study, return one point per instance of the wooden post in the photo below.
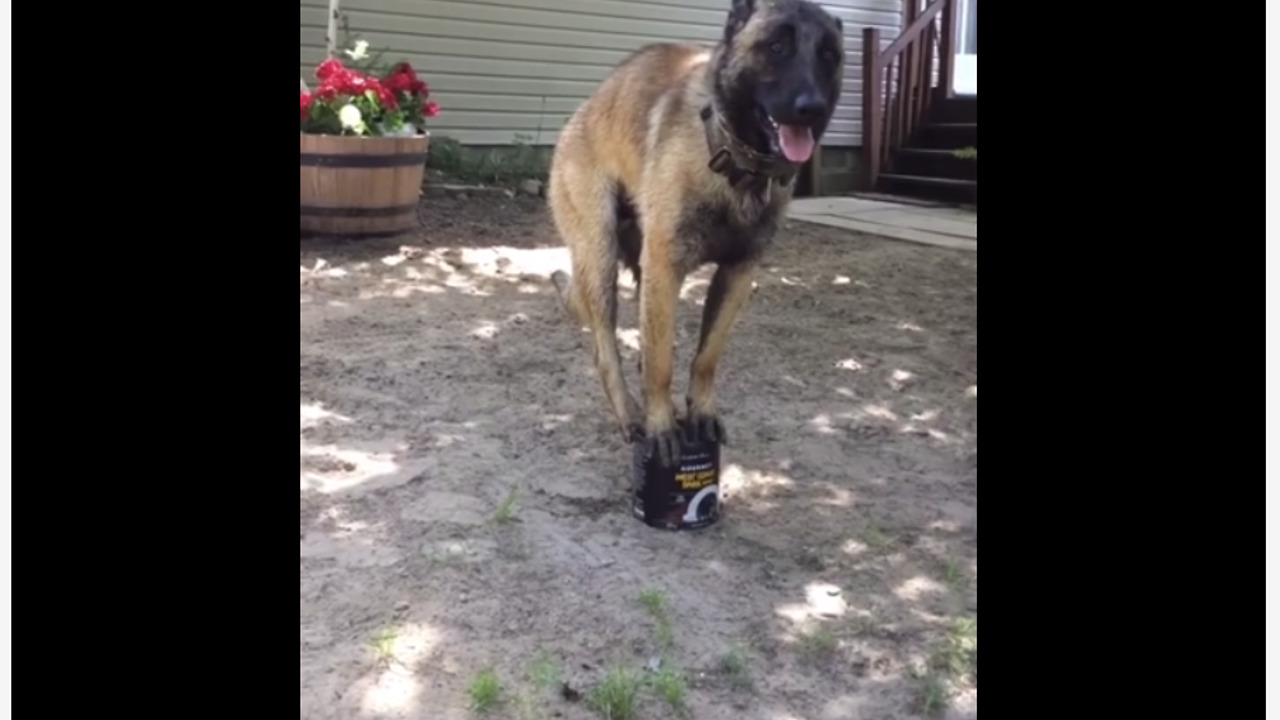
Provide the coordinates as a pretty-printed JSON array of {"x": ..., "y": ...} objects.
[
  {"x": 871, "y": 108},
  {"x": 947, "y": 49},
  {"x": 331, "y": 32}
]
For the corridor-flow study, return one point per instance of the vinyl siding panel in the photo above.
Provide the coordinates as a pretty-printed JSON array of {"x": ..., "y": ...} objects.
[
  {"x": 313, "y": 45},
  {"x": 502, "y": 67}
]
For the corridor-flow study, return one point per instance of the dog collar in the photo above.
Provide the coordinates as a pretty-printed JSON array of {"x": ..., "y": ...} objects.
[{"x": 743, "y": 166}]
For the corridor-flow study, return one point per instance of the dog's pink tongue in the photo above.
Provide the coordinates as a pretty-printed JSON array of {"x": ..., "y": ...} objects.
[{"x": 796, "y": 141}]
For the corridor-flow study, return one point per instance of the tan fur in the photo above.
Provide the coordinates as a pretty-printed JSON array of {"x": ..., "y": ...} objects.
[{"x": 641, "y": 132}]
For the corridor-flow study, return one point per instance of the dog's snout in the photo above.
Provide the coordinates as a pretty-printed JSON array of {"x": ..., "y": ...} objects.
[{"x": 810, "y": 106}]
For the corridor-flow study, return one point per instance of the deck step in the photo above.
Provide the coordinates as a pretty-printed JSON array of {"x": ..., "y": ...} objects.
[
  {"x": 956, "y": 109},
  {"x": 932, "y": 162},
  {"x": 932, "y": 188},
  {"x": 927, "y": 167},
  {"x": 946, "y": 136},
  {"x": 924, "y": 180}
]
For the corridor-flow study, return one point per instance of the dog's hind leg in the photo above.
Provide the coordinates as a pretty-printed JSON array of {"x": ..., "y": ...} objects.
[
  {"x": 630, "y": 241},
  {"x": 584, "y": 213}
]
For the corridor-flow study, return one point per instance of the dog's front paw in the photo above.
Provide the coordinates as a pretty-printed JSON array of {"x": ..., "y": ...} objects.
[
  {"x": 664, "y": 444},
  {"x": 704, "y": 425},
  {"x": 706, "y": 428},
  {"x": 632, "y": 432}
]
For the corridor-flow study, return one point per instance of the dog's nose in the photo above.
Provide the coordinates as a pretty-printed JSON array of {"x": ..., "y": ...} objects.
[{"x": 809, "y": 106}]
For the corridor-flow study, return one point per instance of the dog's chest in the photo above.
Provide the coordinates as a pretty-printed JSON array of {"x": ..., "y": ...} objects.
[{"x": 728, "y": 232}]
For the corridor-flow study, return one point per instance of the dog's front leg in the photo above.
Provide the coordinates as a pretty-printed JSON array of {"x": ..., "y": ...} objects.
[
  {"x": 659, "y": 298},
  {"x": 730, "y": 288}
]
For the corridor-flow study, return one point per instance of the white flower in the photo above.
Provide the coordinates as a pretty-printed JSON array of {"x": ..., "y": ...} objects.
[
  {"x": 350, "y": 117},
  {"x": 361, "y": 51}
]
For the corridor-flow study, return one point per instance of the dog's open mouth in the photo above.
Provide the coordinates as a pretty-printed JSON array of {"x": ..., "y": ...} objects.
[{"x": 794, "y": 142}]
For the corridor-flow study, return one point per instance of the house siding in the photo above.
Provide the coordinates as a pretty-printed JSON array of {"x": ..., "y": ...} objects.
[
  {"x": 313, "y": 45},
  {"x": 500, "y": 68}
]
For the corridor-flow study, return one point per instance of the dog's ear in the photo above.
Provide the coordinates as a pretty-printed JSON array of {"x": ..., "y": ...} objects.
[
  {"x": 839, "y": 24},
  {"x": 739, "y": 13}
]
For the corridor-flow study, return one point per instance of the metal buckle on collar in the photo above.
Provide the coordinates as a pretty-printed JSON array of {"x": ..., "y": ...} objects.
[{"x": 721, "y": 161}]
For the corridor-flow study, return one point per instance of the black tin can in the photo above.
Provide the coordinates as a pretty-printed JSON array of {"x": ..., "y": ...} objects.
[{"x": 686, "y": 497}]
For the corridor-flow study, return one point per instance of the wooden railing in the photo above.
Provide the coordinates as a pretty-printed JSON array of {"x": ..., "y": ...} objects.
[{"x": 898, "y": 84}]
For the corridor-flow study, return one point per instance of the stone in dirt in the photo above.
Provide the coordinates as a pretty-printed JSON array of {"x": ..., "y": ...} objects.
[{"x": 531, "y": 186}]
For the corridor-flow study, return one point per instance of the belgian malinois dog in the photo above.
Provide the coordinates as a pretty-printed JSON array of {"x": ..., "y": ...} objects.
[{"x": 685, "y": 156}]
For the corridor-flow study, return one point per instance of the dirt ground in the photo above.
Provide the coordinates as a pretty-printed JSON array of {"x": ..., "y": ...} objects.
[{"x": 464, "y": 490}]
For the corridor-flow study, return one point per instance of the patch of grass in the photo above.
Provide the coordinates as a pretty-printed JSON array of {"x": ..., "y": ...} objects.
[
  {"x": 485, "y": 691},
  {"x": 383, "y": 644},
  {"x": 957, "y": 656},
  {"x": 875, "y": 538},
  {"x": 665, "y": 635},
  {"x": 543, "y": 672},
  {"x": 671, "y": 687},
  {"x": 527, "y": 707},
  {"x": 734, "y": 666},
  {"x": 507, "y": 508},
  {"x": 955, "y": 660},
  {"x": 655, "y": 601},
  {"x": 933, "y": 697},
  {"x": 616, "y": 695},
  {"x": 667, "y": 681},
  {"x": 818, "y": 644},
  {"x": 954, "y": 575},
  {"x": 520, "y": 160}
]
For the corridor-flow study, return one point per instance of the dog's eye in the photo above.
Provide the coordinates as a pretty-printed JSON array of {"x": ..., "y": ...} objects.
[
  {"x": 777, "y": 48},
  {"x": 830, "y": 56}
]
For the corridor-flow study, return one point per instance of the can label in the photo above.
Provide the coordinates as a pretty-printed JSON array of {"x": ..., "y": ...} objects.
[{"x": 686, "y": 497}]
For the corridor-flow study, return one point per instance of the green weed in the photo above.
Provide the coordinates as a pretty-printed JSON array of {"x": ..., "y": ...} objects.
[
  {"x": 485, "y": 691},
  {"x": 616, "y": 695}
]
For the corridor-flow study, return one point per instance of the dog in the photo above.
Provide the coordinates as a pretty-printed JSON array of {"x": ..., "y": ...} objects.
[{"x": 685, "y": 156}]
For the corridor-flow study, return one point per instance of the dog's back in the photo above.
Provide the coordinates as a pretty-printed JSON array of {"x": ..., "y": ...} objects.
[{"x": 610, "y": 136}]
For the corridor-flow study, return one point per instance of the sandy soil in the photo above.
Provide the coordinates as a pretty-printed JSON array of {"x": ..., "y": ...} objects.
[{"x": 439, "y": 380}]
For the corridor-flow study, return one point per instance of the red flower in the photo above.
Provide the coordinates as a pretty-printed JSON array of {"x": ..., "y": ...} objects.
[
  {"x": 403, "y": 79},
  {"x": 399, "y": 82},
  {"x": 387, "y": 97},
  {"x": 354, "y": 84},
  {"x": 328, "y": 68},
  {"x": 345, "y": 81},
  {"x": 400, "y": 88},
  {"x": 406, "y": 70}
]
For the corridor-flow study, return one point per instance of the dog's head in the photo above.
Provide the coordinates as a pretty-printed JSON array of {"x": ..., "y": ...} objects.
[{"x": 779, "y": 73}]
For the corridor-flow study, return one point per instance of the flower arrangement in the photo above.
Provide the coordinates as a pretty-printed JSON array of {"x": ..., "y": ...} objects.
[{"x": 349, "y": 102}]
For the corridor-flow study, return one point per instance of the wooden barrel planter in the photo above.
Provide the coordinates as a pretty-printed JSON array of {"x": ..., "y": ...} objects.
[{"x": 361, "y": 186}]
